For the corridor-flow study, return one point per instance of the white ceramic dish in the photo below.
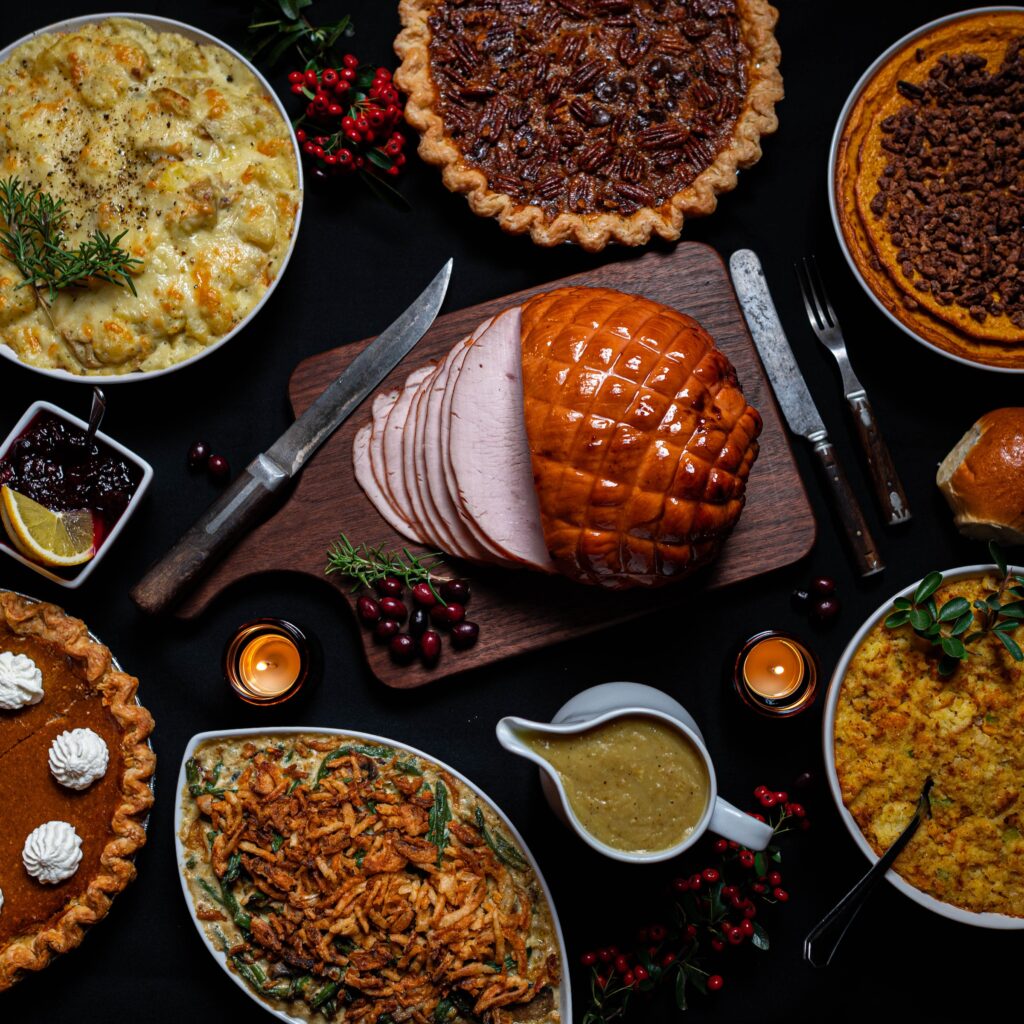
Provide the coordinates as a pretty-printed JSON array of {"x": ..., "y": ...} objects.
[
  {"x": 602, "y": 704},
  {"x": 998, "y": 921},
  {"x": 833, "y": 202},
  {"x": 72, "y": 582},
  {"x": 190, "y": 32},
  {"x": 564, "y": 993}
]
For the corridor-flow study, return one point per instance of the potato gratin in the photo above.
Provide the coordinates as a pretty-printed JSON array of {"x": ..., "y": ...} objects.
[
  {"x": 174, "y": 142},
  {"x": 357, "y": 883}
]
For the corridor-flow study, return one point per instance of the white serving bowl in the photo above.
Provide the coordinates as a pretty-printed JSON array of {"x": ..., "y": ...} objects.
[
  {"x": 833, "y": 202},
  {"x": 190, "y": 32},
  {"x": 987, "y": 920},
  {"x": 86, "y": 569},
  {"x": 564, "y": 993}
]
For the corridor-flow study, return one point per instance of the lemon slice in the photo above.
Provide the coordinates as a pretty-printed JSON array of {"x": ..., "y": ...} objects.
[{"x": 48, "y": 537}]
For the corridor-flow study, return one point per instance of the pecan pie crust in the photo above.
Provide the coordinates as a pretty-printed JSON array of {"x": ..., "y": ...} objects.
[
  {"x": 590, "y": 120},
  {"x": 81, "y": 687}
]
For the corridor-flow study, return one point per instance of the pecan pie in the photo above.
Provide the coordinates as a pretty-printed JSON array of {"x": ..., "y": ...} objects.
[
  {"x": 590, "y": 120},
  {"x": 929, "y": 191},
  {"x": 71, "y": 686}
]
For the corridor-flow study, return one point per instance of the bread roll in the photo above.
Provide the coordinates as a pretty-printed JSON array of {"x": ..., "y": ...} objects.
[{"x": 983, "y": 478}]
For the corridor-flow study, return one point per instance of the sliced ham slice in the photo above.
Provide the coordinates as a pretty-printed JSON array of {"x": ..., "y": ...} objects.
[
  {"x": 368, "y": 481},
  {"x": 490, "y": 456}
]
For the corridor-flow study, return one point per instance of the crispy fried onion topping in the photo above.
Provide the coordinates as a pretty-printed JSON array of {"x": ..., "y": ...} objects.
[{"x": 357, "y": 874}]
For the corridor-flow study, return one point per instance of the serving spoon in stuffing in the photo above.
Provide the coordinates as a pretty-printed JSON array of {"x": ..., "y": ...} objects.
[{"x": 823, "y": 939}]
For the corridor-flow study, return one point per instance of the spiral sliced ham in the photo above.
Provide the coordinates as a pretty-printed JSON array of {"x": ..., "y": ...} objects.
[{"x": 589, "y": 432}]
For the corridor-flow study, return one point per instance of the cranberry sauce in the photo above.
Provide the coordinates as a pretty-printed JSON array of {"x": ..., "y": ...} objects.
[{"x": 51, "y": 463}]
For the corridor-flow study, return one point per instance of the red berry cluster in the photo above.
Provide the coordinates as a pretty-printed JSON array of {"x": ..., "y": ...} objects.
[
  {"x": 200, "y": 457},
  {"x": 434, "y": 609},
  {"x": 819, "y": 599},
  {"x": 351, "y": 120},
  {"x": 716, "y": 907}
]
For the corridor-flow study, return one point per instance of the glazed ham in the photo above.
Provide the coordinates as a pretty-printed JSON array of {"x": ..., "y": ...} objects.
[{"x": 588, "y": 432}]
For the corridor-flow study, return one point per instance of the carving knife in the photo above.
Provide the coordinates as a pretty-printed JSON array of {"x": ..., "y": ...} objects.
[
  {"x": 797, "y": 405},
  {"x": 246, "y": 500}
]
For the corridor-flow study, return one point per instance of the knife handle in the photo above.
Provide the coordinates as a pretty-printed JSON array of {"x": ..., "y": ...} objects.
[
  {"x": 883, "y": 471},
  {"x": 857, "y": 532},
  {"x": 236, "y": 511}
]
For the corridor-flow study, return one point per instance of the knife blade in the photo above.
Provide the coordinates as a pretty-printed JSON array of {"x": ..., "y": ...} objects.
[
  {"x": 255, "y": 489},
  {"x": 796, "y": 402}
]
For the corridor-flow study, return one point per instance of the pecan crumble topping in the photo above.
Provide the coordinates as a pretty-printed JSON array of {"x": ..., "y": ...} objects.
[
  {"x": 952, "y": 195},
  {"x": 582, "y": 106}
]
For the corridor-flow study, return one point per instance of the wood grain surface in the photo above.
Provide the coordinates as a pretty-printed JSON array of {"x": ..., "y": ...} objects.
[{"x": 516, "y": 614}]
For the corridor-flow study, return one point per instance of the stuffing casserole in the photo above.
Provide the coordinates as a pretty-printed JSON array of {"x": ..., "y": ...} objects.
[{"x": 170, "y": 140}]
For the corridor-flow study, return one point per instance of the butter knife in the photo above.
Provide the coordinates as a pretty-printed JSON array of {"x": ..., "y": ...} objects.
[
  {"x": 246, "y": 500},
  {"x": 797, "y": 405}
]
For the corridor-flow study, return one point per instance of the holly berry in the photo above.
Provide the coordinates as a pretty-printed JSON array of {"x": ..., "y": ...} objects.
[
  {"x": 641, "y": 973},
  {"x": 349, "y": 61},
  {"x": 721, "y": 845},
  {"x": 774, "y": 878},
  {"x": 657, "y": 932},
  {"x": 588, "y": 959},
  {"x": 780, "y": 894},
  {"x": 621, "y": 964},
  {"x": 717, "y": 945},
  {"x": 715, "y": 982},
  {"x": 329, "y": 77},
  {"x": 296, "y": 76},
  {"x": 710, "y": 875},
  {"x": 746, "y": 858}
]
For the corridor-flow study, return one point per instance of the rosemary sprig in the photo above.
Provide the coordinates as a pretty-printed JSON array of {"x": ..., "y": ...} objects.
[
  {"x": 366, "y": 565},
  {"x": 947, "y": 626},
  {"x": 283, "y": 26},
  {"x": 33, "y": 239}
]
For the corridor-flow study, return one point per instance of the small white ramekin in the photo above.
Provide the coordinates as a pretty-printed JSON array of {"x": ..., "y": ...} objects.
[{"x": 72, "y": 582}]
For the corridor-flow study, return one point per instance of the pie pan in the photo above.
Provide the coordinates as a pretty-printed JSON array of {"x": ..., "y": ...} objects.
[
  {"x": 834, "y": 200},
  {"x": 190, "y": 32},
  {"x": 564, "y": 995},
  {"x": 980, "y": 920}
]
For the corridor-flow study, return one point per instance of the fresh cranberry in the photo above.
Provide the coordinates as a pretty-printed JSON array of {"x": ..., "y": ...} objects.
[
  {"x": 386, "y": 629},
  {"x": 423, "y": 595},
  {"x": 825, "y": 610},
  {"x": 402, "y": 648},
  {"x": 393, "y": 608},
  {"x": 430, "y": 647},
  {"x": 198, "y": 455},
  {"x": 455, "y": 590},
  {"x": 823, "y": 586},
  {"x": 389, "y": 586},
  {"x": 418, "y": 622},
  {"x": 368, "y": 611},
  {"x": 218, "y": 468}
]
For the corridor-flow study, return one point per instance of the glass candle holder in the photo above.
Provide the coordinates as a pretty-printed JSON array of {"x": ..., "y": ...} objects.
[
  {"x": 267, "y": 661},
  {"x": 775, "y": 674}
]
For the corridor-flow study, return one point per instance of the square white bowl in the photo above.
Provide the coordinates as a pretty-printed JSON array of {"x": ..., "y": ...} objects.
[{"x": 129, "y": 456}]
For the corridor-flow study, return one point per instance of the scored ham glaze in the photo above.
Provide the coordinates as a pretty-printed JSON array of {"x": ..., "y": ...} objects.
[{"x": 588, "y": 432}]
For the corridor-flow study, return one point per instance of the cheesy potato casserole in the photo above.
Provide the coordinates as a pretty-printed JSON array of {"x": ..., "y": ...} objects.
[
  {"x": 170, "y": 140},
  {"x": 898, "y": 721}
]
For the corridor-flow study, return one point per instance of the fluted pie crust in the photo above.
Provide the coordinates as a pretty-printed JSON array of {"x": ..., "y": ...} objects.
[
  {"x": 23, "y": 620},
  {"x": 592, "y": 229}
]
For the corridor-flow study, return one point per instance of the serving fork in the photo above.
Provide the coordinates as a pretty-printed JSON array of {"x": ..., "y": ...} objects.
[{"x": 825, "y": 325}]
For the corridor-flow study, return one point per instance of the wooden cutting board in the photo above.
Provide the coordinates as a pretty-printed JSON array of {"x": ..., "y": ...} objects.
[{"x": 519, "y": 611}]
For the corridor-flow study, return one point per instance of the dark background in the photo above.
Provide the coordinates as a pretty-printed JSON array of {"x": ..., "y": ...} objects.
[{"x": 357, "y": 263}]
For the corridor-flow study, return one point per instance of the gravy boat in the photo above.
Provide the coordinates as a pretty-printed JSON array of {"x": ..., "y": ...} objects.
[{"x": 605, "y": 703}]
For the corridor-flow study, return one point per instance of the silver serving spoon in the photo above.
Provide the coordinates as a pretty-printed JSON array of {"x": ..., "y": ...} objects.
[
  {"x": 96, "y": 413},
  {"x": 823, "y": 940}
]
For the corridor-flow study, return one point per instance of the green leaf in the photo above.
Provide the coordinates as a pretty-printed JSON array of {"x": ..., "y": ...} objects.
[
  {"x": 438, "y": 820},
  {"x": 963, "y": 623},
  {"x": 953, "y": 647},
  {"x": 954, "y": 609},
  {"x": 277, "y": 842},
  {"x": 681, "y": 990},
  {"x": 897, "y": 619},
  {"x": 760, "y": 864},
  {"x": 927, "y": 587},
  {"x": 920, "y": 619},
  {"x": 997, "y": 556},
  {"x": 902, "y": 603},
  {"x": 1010, "y": 644},
  {"x": 760, "y": 937},
  {"x": 1013, "y": 611}
]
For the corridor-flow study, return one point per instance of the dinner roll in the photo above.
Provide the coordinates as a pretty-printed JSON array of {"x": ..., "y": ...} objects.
[{"x": 983, "y": 478}]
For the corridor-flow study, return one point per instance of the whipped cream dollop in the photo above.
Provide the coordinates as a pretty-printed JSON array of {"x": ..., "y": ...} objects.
[
  {"x": 52, "y": 852},
  {"x": 78, "y": 758},
  {"x": 21, "y": 682}
]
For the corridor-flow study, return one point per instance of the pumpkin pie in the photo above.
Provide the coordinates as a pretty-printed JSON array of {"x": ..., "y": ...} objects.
[
  {"x": 928, "y": 188},
  {"x": 68, "y": 689},
  {"x": 590, "y": 120}
]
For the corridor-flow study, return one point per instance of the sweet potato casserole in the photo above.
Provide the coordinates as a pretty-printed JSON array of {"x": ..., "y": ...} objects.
[
  {"x": 898, "y": 721},
  {"x": 175, "y": 143},
  {"x": 353, "y": 882}
]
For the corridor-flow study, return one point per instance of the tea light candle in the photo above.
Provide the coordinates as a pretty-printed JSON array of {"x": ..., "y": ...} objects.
[
  {"x": 267, "y": 661},
  {"x": 775, "y": 674}
]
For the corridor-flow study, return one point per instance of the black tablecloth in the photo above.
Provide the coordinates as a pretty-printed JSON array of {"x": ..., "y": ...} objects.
[{"x": 358, "y": 262}]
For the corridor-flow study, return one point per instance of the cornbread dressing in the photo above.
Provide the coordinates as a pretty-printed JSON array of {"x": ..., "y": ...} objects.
[
  {"x": 174, "y": 142},
  {"x": 898, "y": 721},
  {"x": 635, "y": 783}
]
